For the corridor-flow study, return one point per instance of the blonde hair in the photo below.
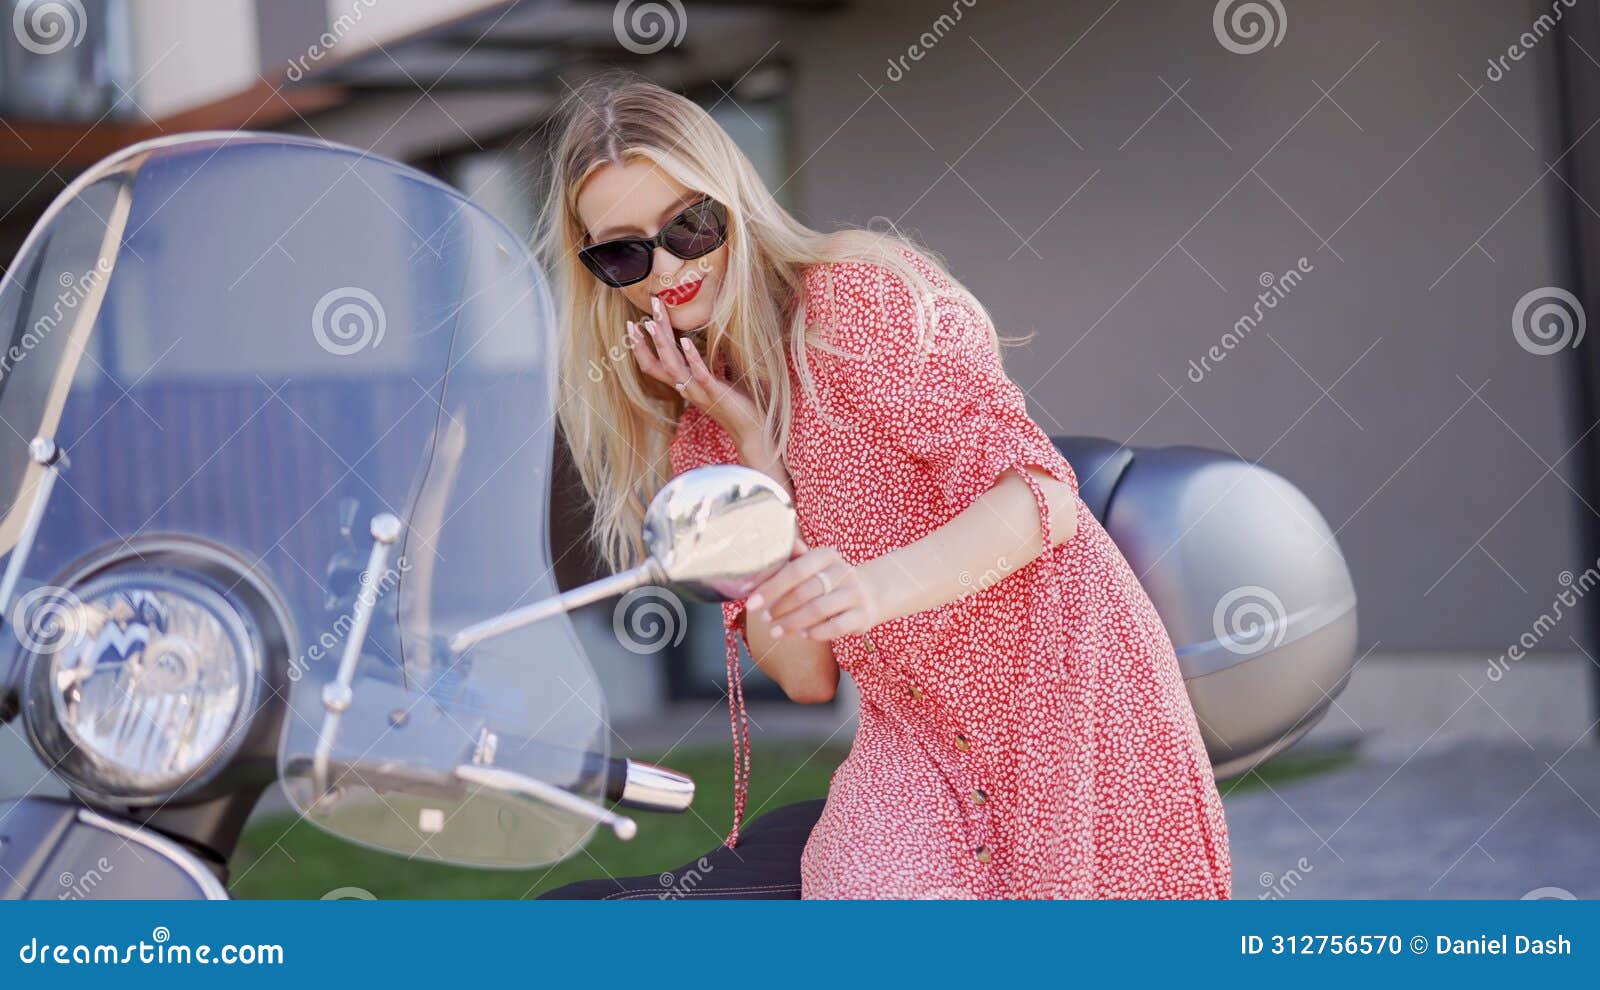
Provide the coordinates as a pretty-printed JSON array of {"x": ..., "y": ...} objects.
[{"x": 618, "y": 422}]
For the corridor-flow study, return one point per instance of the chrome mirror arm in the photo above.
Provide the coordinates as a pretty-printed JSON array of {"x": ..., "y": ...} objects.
[
  {"x": 649, "y": 572},
  {"x": 338, "y": 694},
  {"x": 505, "y": 781}
]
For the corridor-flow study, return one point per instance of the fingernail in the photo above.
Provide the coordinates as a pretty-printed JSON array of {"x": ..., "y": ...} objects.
[
  {"x": 777, "y": 632},
  {"x": 684, "y": 342},
  {"x": 766, "y": 616},
  {"x": 755, "y": 602}
]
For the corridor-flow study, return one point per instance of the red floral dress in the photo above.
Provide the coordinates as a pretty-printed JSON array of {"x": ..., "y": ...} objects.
[{"x": 1032, "y": 739}]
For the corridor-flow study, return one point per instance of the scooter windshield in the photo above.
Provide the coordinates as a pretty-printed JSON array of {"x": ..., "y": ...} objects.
[{"x": 332, "y": 377}]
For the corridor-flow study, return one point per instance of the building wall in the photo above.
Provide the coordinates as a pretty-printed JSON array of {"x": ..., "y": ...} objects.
[{"x": 1416, "y": 193}]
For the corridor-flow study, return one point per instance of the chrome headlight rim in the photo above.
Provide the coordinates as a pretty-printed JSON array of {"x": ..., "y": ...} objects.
[{"x": 85, "y": 771}]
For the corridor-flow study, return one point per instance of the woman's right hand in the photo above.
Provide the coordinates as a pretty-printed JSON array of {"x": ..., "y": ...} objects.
[{"x": 665, "y": 358}]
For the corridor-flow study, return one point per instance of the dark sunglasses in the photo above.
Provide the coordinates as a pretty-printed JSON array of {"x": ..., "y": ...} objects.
[{"x": 694, "y": 233}]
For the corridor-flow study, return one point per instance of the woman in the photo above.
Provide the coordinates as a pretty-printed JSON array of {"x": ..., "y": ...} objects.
[{"x": 1024, "y": 730}]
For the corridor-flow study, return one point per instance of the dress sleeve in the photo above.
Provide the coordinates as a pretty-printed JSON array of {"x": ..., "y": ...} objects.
[{"x": 922, "y": 375}]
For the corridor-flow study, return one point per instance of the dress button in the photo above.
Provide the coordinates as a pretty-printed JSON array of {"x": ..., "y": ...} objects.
[
  {"x": 983, "y": 853},
  {"x": 962, "y": 742},
  {"x": 979, "y": 797}
]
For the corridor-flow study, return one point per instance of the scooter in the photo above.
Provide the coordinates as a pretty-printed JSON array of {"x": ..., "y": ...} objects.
[{"x": 277, "y": 471}]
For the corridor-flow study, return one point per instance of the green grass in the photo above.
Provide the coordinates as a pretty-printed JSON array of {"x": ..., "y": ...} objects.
[{"x": 282, "y": 857}]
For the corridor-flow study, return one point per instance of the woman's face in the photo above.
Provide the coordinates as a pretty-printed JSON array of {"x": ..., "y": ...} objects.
[{"x": 636, "y": 200}]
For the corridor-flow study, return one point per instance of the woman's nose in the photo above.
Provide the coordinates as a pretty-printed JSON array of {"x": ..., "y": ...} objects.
[{"x": 664, "y": 266}]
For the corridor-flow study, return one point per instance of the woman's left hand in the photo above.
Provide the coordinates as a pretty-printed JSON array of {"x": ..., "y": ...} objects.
[{"x": 816, "y": 595}]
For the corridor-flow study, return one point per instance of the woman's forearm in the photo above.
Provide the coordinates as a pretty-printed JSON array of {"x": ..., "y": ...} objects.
[
  {"x": 995, "y": 536},
  {"x": 804, "y": 669}
]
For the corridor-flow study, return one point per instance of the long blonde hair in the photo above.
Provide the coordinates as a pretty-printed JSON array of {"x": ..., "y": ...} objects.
[{"x": 618, "y": 422}]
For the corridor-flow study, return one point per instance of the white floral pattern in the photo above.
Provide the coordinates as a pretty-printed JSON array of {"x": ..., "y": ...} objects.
[{"x": 1030, "y": 740}]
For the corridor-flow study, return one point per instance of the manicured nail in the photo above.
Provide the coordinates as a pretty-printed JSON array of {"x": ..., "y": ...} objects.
[
  {"x": 766, "y": 615},
  {"x": 755, "y": 602},
  {"x": 777, "y": 632}
]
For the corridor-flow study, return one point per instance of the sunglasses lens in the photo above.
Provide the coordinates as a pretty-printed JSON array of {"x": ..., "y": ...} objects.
[
  {"x": 697, "y": 231},
  {"x": 617, "y": 263}
]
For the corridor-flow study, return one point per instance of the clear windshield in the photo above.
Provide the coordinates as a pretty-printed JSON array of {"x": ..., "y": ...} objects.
[{"x": 262, "y": 344}]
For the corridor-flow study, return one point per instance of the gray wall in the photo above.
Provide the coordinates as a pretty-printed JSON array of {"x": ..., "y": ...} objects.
[{"x": 1454, "y": 529}]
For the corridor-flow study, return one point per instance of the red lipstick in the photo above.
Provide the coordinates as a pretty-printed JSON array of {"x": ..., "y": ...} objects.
[{"x": 678, "y": 295}]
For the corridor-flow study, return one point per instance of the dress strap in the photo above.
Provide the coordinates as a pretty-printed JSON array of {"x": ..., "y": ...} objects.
[{"x": 739, "y": 721}]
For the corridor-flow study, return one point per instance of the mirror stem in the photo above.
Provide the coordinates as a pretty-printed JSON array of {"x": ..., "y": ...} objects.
[{"x": 648, "y": 572}]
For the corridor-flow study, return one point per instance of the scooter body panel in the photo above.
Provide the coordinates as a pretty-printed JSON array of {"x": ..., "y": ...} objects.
[{"x": 55, "y": 849}]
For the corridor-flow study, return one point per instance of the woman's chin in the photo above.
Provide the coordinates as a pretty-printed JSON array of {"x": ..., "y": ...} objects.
[{"x": 690, "y": 319}]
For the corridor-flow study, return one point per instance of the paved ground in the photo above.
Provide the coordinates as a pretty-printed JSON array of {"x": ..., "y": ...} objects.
[{"x": 1468, "y": 819}]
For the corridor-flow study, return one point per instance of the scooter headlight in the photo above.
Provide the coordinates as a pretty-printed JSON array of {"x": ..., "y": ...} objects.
[{"x": 140, "y": 683}]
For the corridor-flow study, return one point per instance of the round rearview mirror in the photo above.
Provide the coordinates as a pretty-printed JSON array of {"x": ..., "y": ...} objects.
[{"x": 718, "y": 531}]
